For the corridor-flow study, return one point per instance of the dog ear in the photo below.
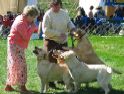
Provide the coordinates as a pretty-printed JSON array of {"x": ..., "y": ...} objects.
[{"x": 35, "y": 52}]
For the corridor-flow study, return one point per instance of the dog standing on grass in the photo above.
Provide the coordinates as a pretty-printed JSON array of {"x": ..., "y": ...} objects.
[
  {"x": 49, "y": 72},
  {"x": 83, "y": 73}
]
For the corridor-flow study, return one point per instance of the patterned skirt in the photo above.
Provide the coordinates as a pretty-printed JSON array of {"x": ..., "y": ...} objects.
[{"x": 16, "y": 65}]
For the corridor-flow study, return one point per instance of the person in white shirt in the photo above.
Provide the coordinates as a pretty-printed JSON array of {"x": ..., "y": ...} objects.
[{"x": 55, "y": 26}]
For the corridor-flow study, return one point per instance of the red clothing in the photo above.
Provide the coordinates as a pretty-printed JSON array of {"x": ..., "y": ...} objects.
[
  {"x": 7, "y": 23},
  {"x": 21, "y": 32}
]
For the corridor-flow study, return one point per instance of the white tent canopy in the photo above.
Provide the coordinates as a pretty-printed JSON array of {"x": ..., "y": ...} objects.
[
  {"x": 32, "y": 2},
  {"x": 87, "y": 3}
]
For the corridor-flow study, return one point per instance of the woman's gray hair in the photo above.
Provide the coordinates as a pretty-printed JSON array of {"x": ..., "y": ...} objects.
[{"x": 31, "y": 10}]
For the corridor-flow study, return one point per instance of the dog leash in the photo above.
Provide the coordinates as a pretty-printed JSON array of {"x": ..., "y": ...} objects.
[{"x": 72, "y": 41}]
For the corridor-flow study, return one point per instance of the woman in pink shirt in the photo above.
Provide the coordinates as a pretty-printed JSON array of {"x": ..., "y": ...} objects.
[{"x": 18, "y": 40}]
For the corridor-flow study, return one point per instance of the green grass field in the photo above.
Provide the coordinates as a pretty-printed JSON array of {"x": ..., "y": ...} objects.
[{"x": 109, "y": 49}]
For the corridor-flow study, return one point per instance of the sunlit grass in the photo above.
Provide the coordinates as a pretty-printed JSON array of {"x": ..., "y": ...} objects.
[{"x": 109, "y": 49}]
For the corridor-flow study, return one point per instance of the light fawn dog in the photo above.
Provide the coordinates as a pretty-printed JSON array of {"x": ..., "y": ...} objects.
[
  {"x": 49, "y": 72},
  {"x": 83, "y": 73},
  {"x": 84, "y": 49}
]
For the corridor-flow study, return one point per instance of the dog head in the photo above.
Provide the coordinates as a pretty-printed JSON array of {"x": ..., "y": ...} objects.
[
  {"x": 62, "y": 56},
  {"x": 40, "y": 53},
  {"x": 78, "y": 34},
  {"x": 57, "y": 55}
]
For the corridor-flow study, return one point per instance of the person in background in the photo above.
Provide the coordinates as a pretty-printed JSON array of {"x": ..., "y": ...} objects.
[
  {"x": 40, "y": 19},
  {"x": 119, "y": 12},
  {"x": 18, "y": 40},
  {"x": 1, "y": 24},
  {"x": 78, "y": 19},
  {"x": 6, "y": 21},
  {"x": 56, "y": 24},
  {"x": 91, "y": 12},
  {"x": 100, "y": 13},
  {"x": 81, "y": 19},
  {"x": 91, "y": 16}
]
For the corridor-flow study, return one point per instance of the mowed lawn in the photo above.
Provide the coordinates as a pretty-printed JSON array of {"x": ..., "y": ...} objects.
[{"x": 109, "y": 49}]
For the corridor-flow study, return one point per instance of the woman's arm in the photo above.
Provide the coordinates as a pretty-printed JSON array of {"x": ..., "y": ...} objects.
[{"x": 25, "y": 31}]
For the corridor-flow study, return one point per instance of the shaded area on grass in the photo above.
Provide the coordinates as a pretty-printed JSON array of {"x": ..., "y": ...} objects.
[{"x": 89, "y": 90}]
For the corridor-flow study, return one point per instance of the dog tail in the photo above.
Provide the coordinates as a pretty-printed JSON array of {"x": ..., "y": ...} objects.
[{"x": 116, "y": 71}]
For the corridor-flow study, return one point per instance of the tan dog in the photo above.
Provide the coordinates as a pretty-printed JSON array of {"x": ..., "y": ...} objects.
[
  {"x": 83, "y": 73},
  {"x": 84, "y": 49},
  {"x": 49, "y": 72}
]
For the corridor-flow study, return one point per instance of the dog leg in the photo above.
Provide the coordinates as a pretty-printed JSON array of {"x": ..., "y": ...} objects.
[
  {"x": 103, "y": 79},
  {"x": 77, "y": 85},
  {"x": 43, "y": 86},
  {"x": 46, "y": 87},
  {"x": 86, "y": 86},
  {"x": 68, "y": 82},
  {"x": 110, "y": 86},
  {"x": 105, "y": 87},
  {"x": 104, "y": 83},
  {"x": 67, "y": 85}
]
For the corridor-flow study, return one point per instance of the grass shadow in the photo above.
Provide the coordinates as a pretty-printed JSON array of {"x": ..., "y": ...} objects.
[
  {"x": 92, "y": 90},
  {"x": 89, "y": 90},
  {"x": 30, "y": 92},
  {"x": 114, "y": 91}
]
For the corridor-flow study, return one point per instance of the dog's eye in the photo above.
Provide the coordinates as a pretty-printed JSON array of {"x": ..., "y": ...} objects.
[{"x": 76, "y": 35}]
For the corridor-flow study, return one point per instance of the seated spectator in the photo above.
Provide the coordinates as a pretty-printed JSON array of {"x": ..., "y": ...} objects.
[
  {"x": 100, "y": 16},
  {"x": 14, "y": 16},
  {"x": 118, "y": 15},
  {"x": 6, "y": 21},
  {"x": 123, "y": 12},
  {"x": 100, "y": 13},
  {"x": 10, "y": 15},
  {"x": 5, "y": 29},
  {"x": 81, "y": 19},
  {"x": 119, "y": 12}
]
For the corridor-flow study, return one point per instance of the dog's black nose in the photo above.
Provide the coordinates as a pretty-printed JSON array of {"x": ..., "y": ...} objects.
[
  {"x": 35, "y": 52},
  {"x": 36, "y": 47}
]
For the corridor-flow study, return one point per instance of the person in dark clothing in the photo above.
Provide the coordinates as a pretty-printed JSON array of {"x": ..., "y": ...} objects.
[{"x": 81, "y": 19}]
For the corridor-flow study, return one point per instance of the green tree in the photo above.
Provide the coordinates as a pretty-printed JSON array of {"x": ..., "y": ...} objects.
[{"x": 70, "y": 5}]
